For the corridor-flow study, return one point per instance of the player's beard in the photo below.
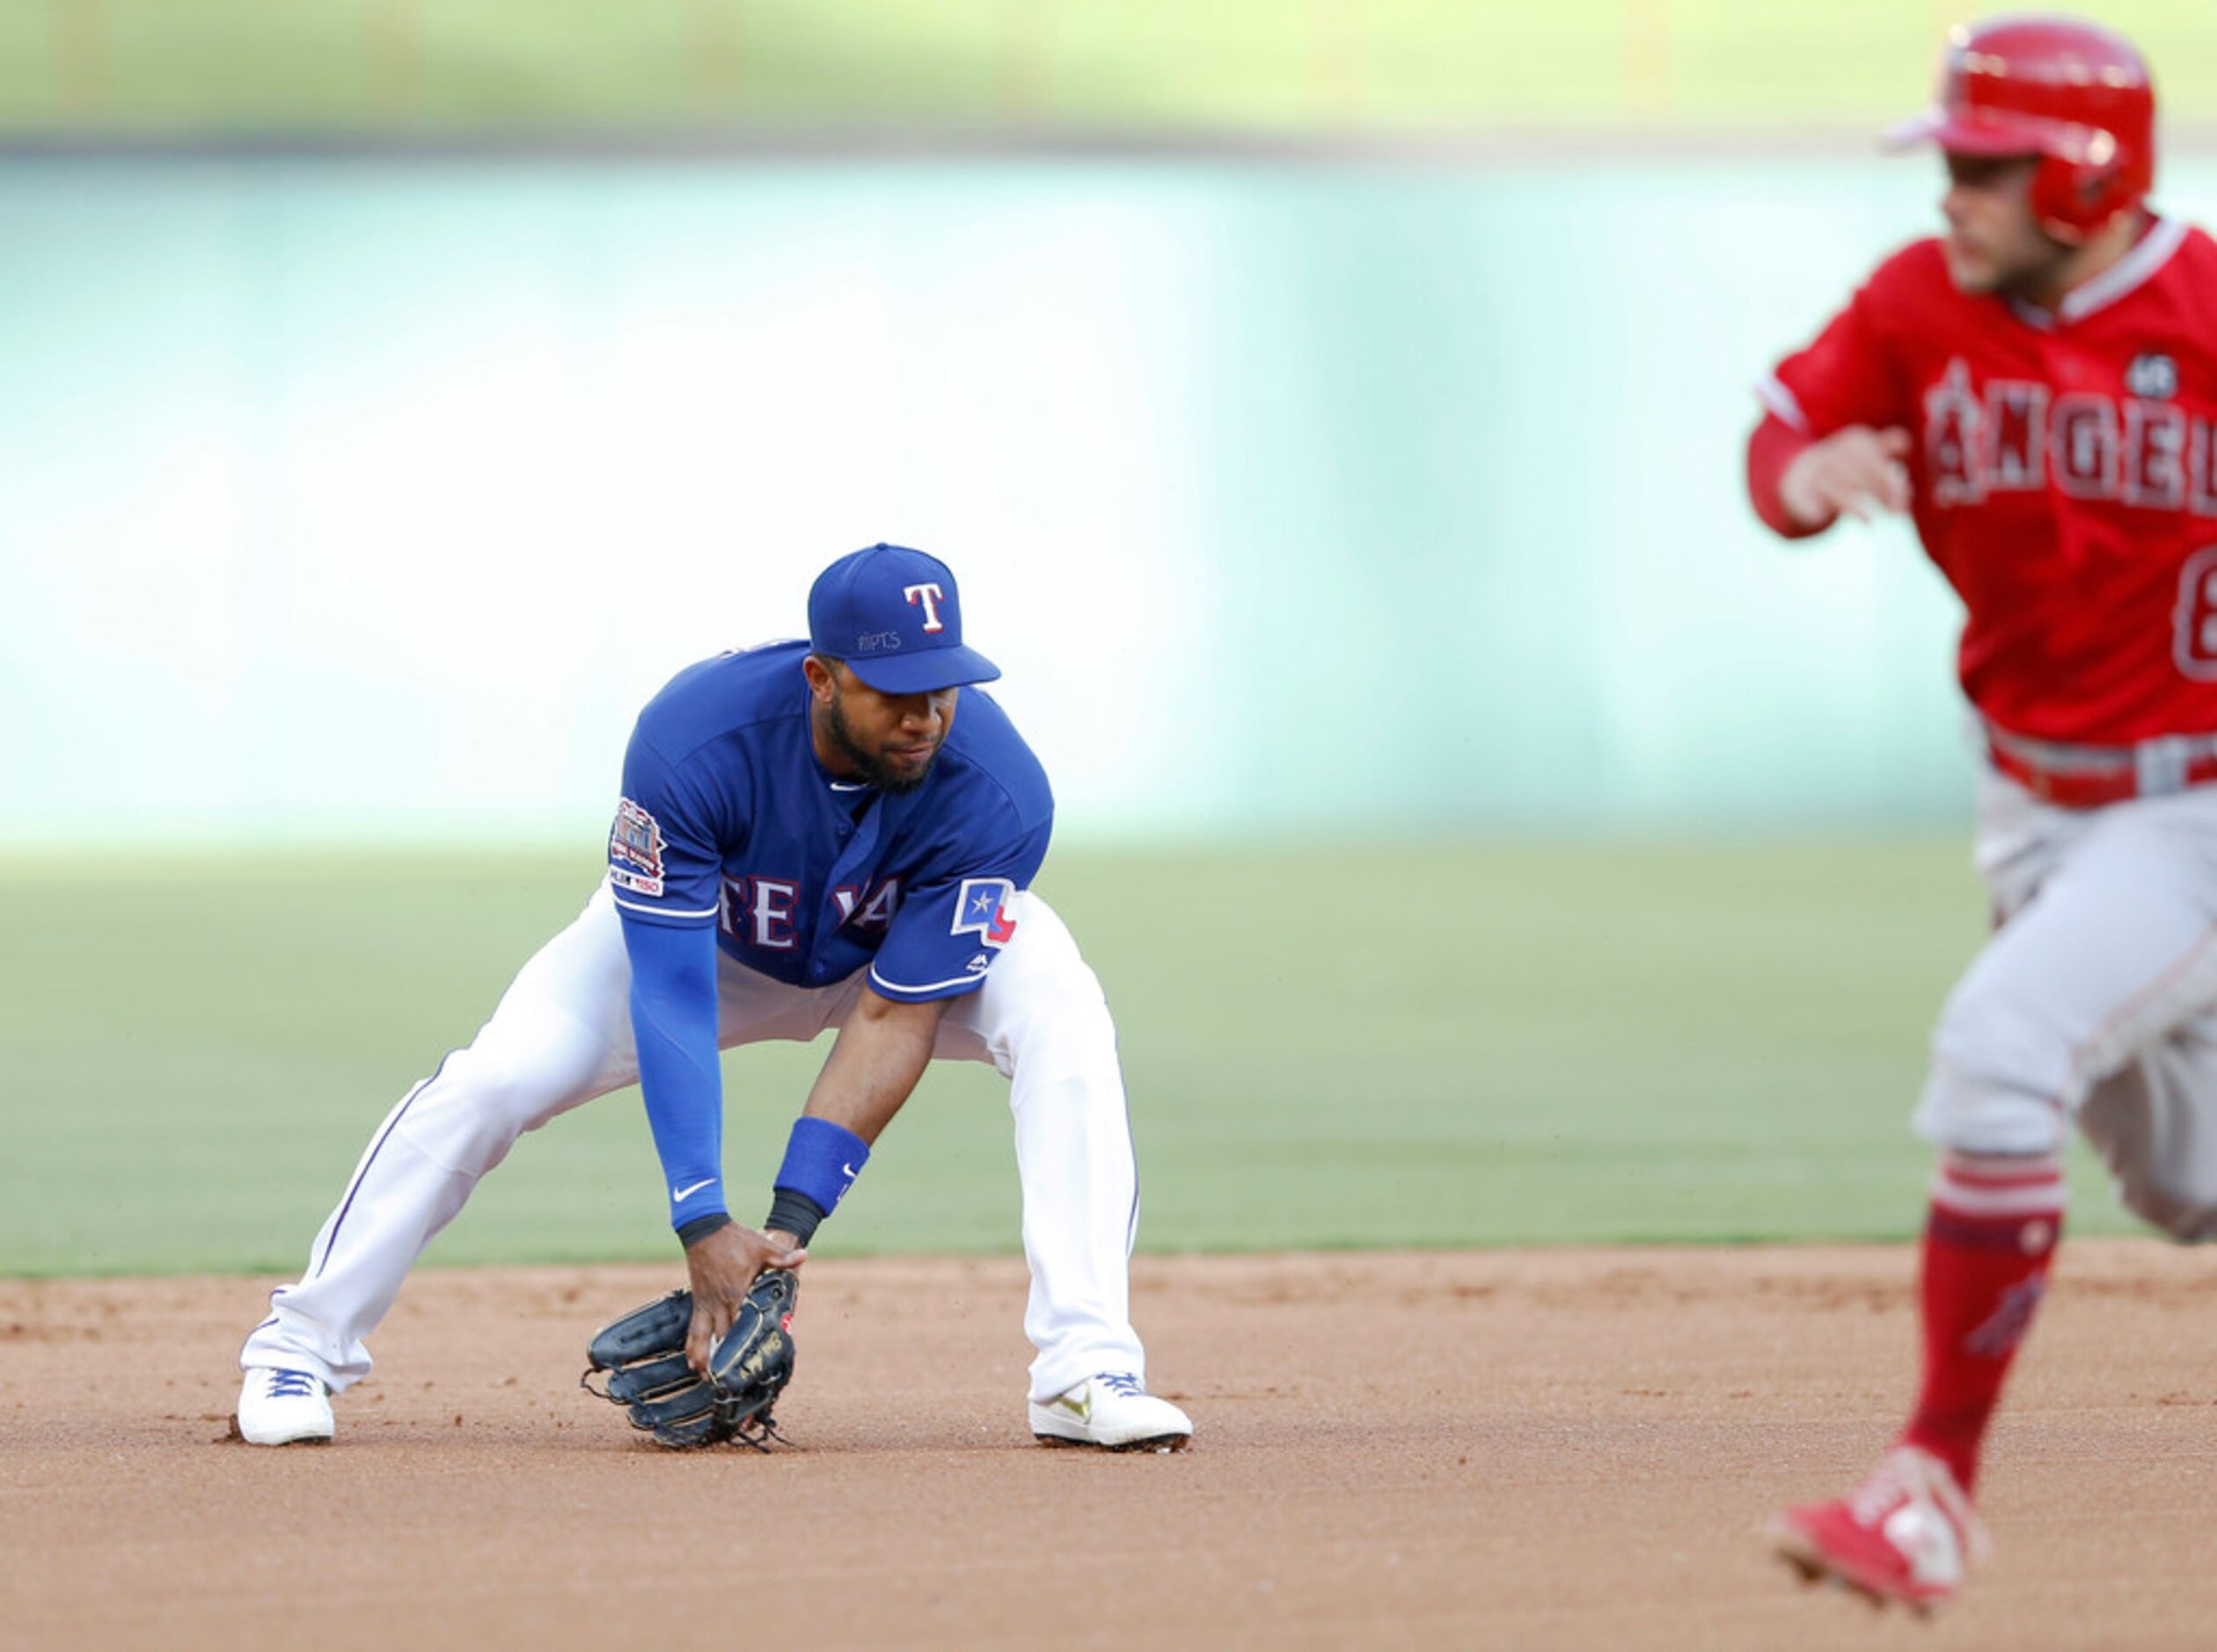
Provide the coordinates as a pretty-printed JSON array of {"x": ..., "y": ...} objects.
[
  {"x": 2035, "y": 275},
  {"x": 2012, "y": 260},
  {"x": 870, "y": 767}
]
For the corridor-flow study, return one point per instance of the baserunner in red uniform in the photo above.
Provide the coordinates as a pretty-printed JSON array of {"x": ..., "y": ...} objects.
[{"x": 2037, "y": 389}]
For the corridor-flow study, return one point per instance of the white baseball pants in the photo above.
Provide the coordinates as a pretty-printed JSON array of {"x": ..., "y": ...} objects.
[
  {"x": 562, "y": 1035},
  {"x": 2096, "y": 999}
]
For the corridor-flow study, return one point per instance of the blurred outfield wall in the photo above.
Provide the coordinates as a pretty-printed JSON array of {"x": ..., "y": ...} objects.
[
  {"x": 370, "y": 498},
  {"x": 89, "y": 68}
]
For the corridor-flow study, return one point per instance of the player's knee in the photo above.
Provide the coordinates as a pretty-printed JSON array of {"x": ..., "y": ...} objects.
[
  {"x": 1052, "y": 1019},
  {"x": 1072, "y": 1018},
  {"x": 2001, "y": 1071},
  {"x": 1972, "y": 1108},
  {"x": 2170, "y": 1203}
]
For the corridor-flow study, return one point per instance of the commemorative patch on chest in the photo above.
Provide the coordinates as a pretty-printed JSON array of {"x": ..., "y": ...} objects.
[
  {"x": 2153, "y": 376},
  {"x": 635, "y": 850}
]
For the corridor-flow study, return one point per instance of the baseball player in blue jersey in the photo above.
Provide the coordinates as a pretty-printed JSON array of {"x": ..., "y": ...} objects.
[{"x": 808, "y": 837}]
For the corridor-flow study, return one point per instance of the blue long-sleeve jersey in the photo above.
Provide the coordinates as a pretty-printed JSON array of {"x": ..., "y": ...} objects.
[{"x": 730, "y": 834}]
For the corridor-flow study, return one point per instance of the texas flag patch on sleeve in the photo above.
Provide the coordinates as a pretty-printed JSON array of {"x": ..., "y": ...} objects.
[
  {"x": 981, "y": 908},
  {"x": 635, "y": 850}
]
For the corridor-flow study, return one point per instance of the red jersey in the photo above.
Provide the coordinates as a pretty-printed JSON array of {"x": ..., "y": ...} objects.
[{"x": 2064, "y": 477}]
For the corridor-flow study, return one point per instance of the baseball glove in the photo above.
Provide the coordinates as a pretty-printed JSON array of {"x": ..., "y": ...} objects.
[{"x": 644, "y": 1357}]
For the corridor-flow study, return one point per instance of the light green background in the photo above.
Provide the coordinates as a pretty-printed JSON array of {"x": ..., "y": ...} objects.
[
  {"x": 369, "y": 498},
  {"x": 137, "y": 66},
  {"x": 1452, "y": 1044},
  {"x": 1392, "y": 508}
]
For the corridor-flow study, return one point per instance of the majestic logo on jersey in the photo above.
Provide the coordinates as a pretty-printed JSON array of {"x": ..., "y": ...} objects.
[
  {"x": 981, "y": 908},
  {"x": 635, "y": 850},
  {"x": 931, "y": 596},
  {"x": 2154, "y": 376},
  {"x": 2015, "y": 436}
]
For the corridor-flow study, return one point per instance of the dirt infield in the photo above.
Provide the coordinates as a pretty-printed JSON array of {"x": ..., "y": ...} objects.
[{"x": 1538, "y": 1450}]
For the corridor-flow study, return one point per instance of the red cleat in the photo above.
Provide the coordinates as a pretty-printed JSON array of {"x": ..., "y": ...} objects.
[{"x": 1907, "y": 1533}]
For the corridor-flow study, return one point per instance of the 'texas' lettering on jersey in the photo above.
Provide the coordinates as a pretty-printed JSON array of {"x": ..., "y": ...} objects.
[
  {"x": 760, "y": 912},
  {"x": 2019, "y": 435}
]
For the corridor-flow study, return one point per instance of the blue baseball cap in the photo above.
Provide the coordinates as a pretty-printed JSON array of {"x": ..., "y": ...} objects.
[{"x": 892, "y": 613}]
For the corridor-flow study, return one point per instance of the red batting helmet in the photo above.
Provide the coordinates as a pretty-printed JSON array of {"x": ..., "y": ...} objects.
[{"x": 2073, "y": 93}]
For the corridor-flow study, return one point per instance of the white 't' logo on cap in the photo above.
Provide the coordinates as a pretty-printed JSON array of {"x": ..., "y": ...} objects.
[{"x": 931, "y": 596}]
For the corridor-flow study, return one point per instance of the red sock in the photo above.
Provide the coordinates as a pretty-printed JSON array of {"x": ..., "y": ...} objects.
[{"x": 1987, "y": 1245}]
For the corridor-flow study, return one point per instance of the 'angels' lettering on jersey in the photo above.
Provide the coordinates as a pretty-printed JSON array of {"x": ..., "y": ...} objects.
[
  {"x": 807, "y": 877},
  {"x": 2003, "y": 437},
  {"x": 2063, "y": 476}
]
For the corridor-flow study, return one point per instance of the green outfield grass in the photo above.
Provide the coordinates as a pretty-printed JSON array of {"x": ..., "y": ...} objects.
[
  {"x": 1464, "y": 1045},
  {"x": 1238, "y": 64}
]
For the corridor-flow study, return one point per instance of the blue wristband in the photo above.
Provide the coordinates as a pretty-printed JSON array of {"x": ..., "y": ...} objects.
[{"x": 822, "y": 1160}]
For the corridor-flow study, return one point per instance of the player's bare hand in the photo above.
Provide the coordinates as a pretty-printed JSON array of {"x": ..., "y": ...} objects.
[
  {"x": 1858, "y": 471},
  {"x": 722, "y": 1265}
]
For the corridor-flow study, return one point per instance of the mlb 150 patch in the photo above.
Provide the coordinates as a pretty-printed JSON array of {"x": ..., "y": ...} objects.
[{"x": 635, "y": 850}]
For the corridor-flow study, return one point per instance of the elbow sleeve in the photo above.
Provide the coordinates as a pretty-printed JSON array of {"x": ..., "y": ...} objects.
[{"x": 1772, "y": 446}]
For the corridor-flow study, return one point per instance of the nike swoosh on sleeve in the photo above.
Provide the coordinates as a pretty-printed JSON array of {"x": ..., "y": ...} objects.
[{"x": 678, "y": 1195}]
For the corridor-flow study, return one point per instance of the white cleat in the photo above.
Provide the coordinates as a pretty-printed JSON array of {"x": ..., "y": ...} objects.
[
  {"x": 1113, "y": 1412},
  {"x": 283, "y": 1407}
]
